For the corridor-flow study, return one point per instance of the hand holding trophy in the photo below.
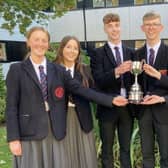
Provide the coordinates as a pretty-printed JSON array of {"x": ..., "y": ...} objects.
[{"x": 135, "y": 93}]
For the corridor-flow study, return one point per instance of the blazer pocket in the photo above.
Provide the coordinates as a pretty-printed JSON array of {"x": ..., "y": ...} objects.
[{"x": 26, "y": 125}]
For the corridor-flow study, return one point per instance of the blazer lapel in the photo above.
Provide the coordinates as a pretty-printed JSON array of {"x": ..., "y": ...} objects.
[
  {"x": 109, "y": 54},
  {"x": 50, "y": 74},
  {"x": 77, "y": 75},
  {"x": 126, "y": 56},
  {"x": 142, "y": 54},
  {"x": 159, "y": 56},
  {"x": 28, "y": 67}
]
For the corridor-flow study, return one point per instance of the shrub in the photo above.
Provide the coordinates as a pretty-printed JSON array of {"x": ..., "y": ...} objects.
[
  {"x": 2, "y": 96},
  {"x": 2, "y": 110},
  {"x": 2, "y": 83}
]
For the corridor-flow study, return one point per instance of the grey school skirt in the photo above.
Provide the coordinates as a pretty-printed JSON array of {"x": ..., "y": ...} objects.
[
  {"x": 80, "y": 145},
  {"x": 76, "y": 150},
  {"x": 46, "y": 153}
]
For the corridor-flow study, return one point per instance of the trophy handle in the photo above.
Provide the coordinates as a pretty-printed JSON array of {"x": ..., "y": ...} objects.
[{"x": 143, "y": 61}]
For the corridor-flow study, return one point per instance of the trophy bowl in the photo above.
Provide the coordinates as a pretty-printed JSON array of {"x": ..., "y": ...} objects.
[
  {"x": 137, "y": 67},
  {"x": 135, "y": 93}
]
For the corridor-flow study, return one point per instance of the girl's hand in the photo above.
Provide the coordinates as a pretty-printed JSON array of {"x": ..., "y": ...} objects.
[{"x": 15, "y": 147}]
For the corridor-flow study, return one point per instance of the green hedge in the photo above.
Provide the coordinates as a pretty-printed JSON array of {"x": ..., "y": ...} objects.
[
  {"x": 2, "y": 96},
  {"x": 2, "y": 110}
]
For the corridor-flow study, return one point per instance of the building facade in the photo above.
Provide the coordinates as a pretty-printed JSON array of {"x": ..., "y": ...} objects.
[{"x": 86, "y": 22}]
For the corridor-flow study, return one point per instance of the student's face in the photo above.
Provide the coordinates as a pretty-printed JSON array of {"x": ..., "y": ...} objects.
[
  {"x": 38, "y": 43},
  {"x": 152, "y": 29},
  {"x": 113, "y": 31},
  {"x": 70, "y": 51}
]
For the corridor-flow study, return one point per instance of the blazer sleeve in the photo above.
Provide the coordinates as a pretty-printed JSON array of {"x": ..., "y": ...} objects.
[
  {"x": 102, "y": 79},
  {"x": 163, "y": 82},
  {"x": 12, "y": 101},
  {"x": 73, "y": 86}
]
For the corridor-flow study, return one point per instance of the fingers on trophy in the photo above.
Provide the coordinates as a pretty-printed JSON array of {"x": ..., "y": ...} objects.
[{"x": 135, "y": 93}]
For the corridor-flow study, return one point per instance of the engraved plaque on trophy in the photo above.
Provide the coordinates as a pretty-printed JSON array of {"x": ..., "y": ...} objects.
[{"x": 135, "y": 93}]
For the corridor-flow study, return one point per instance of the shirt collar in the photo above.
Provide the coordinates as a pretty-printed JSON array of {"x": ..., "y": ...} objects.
[
  {"x": 43, "y": 63},
  {"x": 112, "y": 45},
  {"x": 72, "y": 68},
  {"x": 155, "y": 47}
]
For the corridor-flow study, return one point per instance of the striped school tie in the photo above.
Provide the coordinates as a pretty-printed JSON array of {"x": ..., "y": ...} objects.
[{"x": 43, "y": 82}]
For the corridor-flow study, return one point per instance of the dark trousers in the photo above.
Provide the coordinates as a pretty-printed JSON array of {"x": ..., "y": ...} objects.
[
  {"x": 124, "y": 124},
  {"x": 162, "y": 139},
  {"x": 148, "y": 127}
]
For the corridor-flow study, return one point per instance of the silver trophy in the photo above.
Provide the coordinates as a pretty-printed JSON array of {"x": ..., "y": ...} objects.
[{"x": 135, "y": 93}]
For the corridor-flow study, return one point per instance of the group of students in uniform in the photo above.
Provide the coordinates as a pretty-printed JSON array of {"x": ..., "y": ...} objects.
[{"x": 49, "y": 120}]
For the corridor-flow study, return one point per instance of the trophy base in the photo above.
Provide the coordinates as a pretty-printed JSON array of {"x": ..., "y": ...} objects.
[{"x": 135, "y": 101}]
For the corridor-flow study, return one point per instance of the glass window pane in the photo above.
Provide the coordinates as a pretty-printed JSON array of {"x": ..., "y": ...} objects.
[
  {"x": 99, "y": 44},
  {"x": 110, "y": 3},
  {"x": 155, "y": 1},
  {"x": 139, "y": 43},
  {"x": 98, "y": 3},
  {"x": 2, "y": 52},
  {"x": 166, "y": 41},
  {"x": 140, "y": 2}
]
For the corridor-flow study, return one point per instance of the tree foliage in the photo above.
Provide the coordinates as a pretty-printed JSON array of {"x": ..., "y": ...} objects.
[{"x": 21, "y": 13}]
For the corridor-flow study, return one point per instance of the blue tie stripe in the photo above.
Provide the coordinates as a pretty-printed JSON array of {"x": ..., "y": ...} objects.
[
  {"x": 151, "y": 56},
  {"x": 43, "y": 82},
  {"x": 118, "y": 61},
  {"x": 118, "y": 56}
]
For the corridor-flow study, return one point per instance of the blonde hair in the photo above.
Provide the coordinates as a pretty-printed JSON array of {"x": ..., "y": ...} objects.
[
  {"x": 111, "y": 17},
  {"x": 29, "y": 33},
  {"x": 151, "y": 15},
  {"x": 37, "y": 28}
]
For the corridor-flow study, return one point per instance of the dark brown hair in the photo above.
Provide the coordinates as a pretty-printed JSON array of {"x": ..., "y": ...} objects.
[
  {"x": 111, "y": 17},
  {"x": 78, "y": 62},
  {"x": 59, "y": 58}
]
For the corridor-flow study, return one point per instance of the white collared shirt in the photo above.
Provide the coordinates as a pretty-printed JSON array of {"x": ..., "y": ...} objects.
[
  {"x": 155, "y": 48},
  {"x": 36, "y": 67},
  {"x": 112, "y": 46},
  {"x": 72, "y": 69}
]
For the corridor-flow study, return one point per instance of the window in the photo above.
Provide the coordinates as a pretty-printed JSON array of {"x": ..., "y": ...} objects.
[
  {"x": 140, "y": 2},
  {"x": 155, "y": 1},
  {"x": 99, "y": 44},
  {"x": 98, "y": 3},
  {"x": 166, "y": 41},
  {"x": 2, "y": 52},
  {"x": 139, "y": 43},
  {"x": 110, "y": 3}
]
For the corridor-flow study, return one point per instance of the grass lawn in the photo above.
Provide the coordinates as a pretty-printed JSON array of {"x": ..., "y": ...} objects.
[{"x": 5, "y": 155}]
